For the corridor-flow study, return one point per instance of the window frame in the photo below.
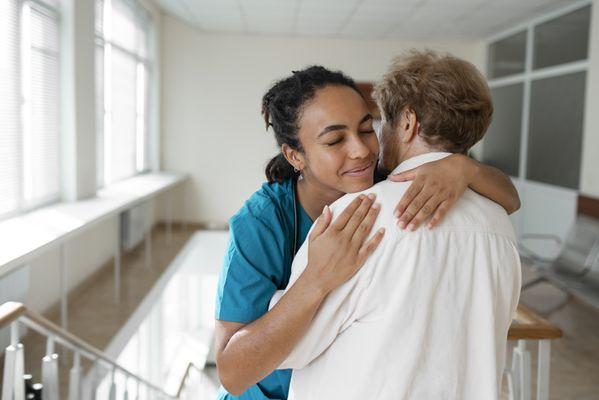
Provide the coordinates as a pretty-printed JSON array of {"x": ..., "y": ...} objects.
[{"x": 530, "y": 75}]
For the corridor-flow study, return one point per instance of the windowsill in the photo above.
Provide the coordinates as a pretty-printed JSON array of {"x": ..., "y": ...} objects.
[{"x": 27, "y": 235}]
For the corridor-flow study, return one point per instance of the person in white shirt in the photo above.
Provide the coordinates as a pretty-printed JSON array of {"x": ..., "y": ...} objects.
[{"x": 427, "y": 315}]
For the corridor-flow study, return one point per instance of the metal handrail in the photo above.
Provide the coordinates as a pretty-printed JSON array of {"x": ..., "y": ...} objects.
[
  {"x": 190, "y": 366},
  {"x": 12, "y": 311}
]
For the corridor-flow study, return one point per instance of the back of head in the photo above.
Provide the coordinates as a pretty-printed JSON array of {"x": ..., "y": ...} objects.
[{"x": 449, "y": 96}]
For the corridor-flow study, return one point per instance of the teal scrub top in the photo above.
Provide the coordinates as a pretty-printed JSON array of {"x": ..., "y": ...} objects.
[{"x": 257, "y": 263}]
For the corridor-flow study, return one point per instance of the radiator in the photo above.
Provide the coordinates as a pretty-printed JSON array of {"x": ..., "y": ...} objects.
[{"x": 134, "y": 224}]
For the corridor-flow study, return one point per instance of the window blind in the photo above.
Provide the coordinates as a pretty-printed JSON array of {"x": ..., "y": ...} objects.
[
  {"x": 41, "y": 136},
  {"x": 29, "y": 105},
  {"x": 121, "y": 87},
  {"x": 10, "y": 105}
]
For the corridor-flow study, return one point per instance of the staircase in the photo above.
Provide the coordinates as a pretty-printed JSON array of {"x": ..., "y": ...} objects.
[{"x": 83, "y": 381}]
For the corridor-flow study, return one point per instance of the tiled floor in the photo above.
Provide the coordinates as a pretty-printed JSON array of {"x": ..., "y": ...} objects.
[
  {"x": 94, "y": 317},
  {"x": 574, "y": 357}
]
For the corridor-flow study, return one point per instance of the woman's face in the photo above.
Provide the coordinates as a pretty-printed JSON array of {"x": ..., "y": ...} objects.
[{"x": 339, "y": 143}]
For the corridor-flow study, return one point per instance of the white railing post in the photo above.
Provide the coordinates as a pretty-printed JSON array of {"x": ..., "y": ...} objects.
[
  {"x": 543, "y": 368},
  {"x": 523, "y": 364},
  {"x": 126, "y": 392},
  {"x": 112, "y": 393},
  {"x": 19, "y": 390},
  {"x": 50, "y": 371},
  {"x": 90, "y": 382},
  {"x": 8, "y": 380},
  {"x": 137, "y": 393},
  {"x": 75, "y": 378},
  {"x": 13, "y": 385}
]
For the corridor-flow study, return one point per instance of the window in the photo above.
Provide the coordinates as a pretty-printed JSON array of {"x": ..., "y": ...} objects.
[
  {"x": 555, "y": 133},
  {"x": 29, "y": 105},
  {"x": 122, "y": 68},
  {"x": 562, "y": 40},
  {"x": 538, "y": 78},
  {"x": 502, "y": 141},
  {"x": 507, "y": 56}
]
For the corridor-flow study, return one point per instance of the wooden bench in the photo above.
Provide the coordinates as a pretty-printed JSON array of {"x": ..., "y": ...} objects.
[{"x": 526, "y": 327}]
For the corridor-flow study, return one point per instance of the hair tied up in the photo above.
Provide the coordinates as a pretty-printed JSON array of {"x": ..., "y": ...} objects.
[{"x": 281, "y": 109}]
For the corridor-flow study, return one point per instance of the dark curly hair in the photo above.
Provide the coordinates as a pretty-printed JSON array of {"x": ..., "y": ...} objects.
[{"x": 281, "y": 108}]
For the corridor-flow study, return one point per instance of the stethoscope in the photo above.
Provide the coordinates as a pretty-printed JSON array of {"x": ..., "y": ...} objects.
[{"x": 295, "y": 216}]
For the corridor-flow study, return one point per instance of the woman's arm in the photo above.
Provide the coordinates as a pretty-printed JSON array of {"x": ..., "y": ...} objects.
[
  {"x": 245, "y": 354},
  {"x": 438, "y": 185}
]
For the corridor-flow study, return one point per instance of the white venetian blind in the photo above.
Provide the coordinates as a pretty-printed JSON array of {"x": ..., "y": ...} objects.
[
  {"x": 41, "y": 105},
  {"x": 10, "y": 106},
  {"x": 121, "y": 29},
  {"x": 29, "y": 105}
]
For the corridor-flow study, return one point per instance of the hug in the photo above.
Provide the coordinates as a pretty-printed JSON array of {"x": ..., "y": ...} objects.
[{"x": 343, "y": 279}]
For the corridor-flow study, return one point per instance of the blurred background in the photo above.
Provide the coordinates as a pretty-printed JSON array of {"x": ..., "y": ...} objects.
[{"x": 130, "y": 131}]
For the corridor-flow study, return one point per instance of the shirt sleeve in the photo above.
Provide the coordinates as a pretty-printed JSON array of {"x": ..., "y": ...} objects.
[
  {"x": 251, "y": 271},
  {"x": 337, "y": 312}
]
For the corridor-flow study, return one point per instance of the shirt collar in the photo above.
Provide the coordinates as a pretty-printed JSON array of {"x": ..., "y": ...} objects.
[{"x": 419, "y": 160}]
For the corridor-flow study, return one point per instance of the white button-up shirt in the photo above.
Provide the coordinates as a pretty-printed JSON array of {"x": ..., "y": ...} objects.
[{"x": 425, "y": 318}]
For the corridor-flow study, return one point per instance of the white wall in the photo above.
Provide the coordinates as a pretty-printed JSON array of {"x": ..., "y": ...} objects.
[{"x": 212, "y": 88}]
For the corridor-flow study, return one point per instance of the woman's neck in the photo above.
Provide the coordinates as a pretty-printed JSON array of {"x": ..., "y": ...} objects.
[{"x": 313, "y": 197}]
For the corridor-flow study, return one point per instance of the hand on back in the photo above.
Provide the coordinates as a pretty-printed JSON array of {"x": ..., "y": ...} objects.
[
  {"x": 338, "y": 249},
  {"x": 436, "y": 187}
]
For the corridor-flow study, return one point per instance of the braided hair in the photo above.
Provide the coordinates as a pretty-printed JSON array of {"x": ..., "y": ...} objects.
[{"x": 281, "y": 108}]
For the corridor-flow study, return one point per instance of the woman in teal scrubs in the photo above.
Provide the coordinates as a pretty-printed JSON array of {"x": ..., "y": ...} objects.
[{"x": 328, "y": 148}]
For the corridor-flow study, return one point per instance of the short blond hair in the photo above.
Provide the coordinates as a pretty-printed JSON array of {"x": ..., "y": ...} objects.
[{"x": 449, "y": 96}]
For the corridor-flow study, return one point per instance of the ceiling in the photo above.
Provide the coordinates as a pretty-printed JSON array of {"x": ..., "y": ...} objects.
[{"x": 363, "y": 19}]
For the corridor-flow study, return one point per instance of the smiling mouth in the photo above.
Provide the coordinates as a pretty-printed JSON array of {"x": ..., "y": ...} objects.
[{"x": 360, "y": 171}]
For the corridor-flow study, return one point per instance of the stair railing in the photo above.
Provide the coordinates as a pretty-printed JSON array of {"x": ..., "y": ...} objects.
[{"x": 13, "y": 385}]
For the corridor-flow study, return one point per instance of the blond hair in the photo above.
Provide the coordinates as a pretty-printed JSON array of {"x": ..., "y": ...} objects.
[{"x": 449, "y": 96}]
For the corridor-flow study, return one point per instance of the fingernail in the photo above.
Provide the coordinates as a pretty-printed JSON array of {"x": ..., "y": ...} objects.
[
  {"x": 396, "y": 214},
  {"x": 324, "y": 210},
  {"x": 361, "y": 197},
  {"x": 411, "y": 227},
  {"x": 401, "y": 224},
  {"x": 382, "y": 230},
  {"x": 429, "y": 226},
  {"x": 376, "y": 206},
  {"x": 371, "y": 196}
]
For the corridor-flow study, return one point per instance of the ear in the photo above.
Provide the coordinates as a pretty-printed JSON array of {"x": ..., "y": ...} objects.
[
  {"x": 293, "y": 157},
  {"x": 408, "y": 125}
]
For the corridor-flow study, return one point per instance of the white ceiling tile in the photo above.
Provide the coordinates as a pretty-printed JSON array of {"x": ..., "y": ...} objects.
[
  {"x": 272, "y": 8},
  {"x": 372, "y": 19},
  {"x": 364, "y": 32}
]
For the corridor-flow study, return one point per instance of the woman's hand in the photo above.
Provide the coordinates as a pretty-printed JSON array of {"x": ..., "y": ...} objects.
[
  {"x": 338, "y": 251},
  {"x": 435, "y": 188}
]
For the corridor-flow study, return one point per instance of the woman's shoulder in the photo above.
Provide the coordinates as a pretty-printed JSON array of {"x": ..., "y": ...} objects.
[{"x": 265, "y": 205}]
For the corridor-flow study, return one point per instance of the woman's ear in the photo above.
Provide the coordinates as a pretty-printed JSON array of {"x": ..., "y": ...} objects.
[{"x": 293, "y": 157}]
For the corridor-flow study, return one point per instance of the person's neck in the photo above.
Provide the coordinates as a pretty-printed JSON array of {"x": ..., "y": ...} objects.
[
  {"x": 417, "y": 149},
  {"x": 314, "y": 197}
]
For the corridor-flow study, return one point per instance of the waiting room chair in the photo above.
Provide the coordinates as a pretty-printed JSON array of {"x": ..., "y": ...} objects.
[{"x": 576, "y": 269}]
